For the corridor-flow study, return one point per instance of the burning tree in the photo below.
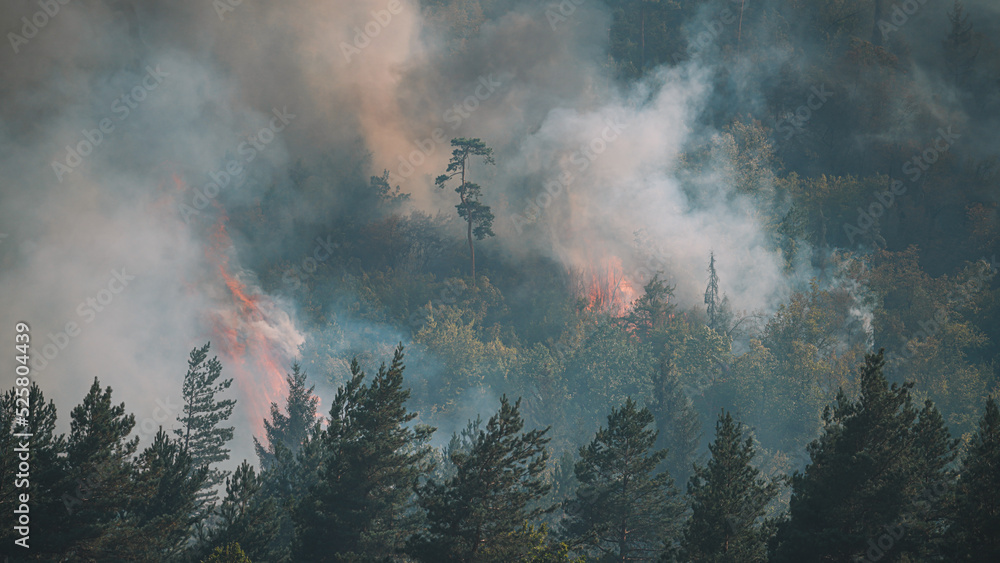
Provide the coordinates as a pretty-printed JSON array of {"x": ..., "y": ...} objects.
[
  {"x": 470, "y": 209},
  {"x": 604, "y": 286}
]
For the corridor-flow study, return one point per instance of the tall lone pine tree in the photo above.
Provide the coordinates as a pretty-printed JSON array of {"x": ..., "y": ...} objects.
[{"x": 478, "y": 217}]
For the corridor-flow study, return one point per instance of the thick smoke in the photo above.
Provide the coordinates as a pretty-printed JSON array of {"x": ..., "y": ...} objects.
[{"x": 173, "y": 97}]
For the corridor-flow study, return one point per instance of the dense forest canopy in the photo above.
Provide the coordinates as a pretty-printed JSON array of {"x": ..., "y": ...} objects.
[{"x": 497, "y": 280}]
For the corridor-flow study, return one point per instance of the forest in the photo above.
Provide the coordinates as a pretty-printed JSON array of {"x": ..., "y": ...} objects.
[{"x": 577, "y": 281}]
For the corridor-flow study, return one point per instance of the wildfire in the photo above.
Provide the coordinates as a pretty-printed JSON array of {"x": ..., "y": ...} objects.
[
  {"x": 255, "y": 335},
  {"x": 255, "y": 339},
  {"x": 606, "y": 287}
]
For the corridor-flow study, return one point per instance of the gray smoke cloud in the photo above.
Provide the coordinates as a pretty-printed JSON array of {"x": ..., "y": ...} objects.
[{"x": 173, "y": 98}]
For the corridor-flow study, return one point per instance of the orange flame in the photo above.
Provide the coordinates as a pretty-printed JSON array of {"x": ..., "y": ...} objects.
[
  {"x": 247, "y": 335},
  {"x": 253, "y": 337},
  {"x": 605, "y": 287}
]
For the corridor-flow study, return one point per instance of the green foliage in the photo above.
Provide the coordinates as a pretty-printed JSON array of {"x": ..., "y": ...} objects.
[
  {"x": 651, "y": 314},
  {"x": 248, "y": 518},
  {"x": 608, "y": 367},
  {"x": 46, "y": 484},
  {"x": 624, "y": 510},
  {"x": 975, "y": 517},
  {"x": 290, "y": 430},
  {"x": 478, "y": 217},
  {"x": 165, "y": 507},
  {"x": 477, "y": 514},
  {"x": 371, "y": 461},
  {"x": 200, "y": 431},
  {"x": 231, "y": 553},
  {"x": 645, "y": 34},
  {"x": 99, "y": 456},
  {"x": 729, "y": 498},
  {"x": 873, "y": 453},
  {"x": 806, "y": 353},
  {"x": 678, "y": 426}
]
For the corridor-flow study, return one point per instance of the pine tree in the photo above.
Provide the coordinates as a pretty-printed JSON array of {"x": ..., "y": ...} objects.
[
  {"x": 935, "y": 452},
  {"x": 479, "y": 513},
  {"x": 650, "y": 314},
  {"x": 864, "y": 479},
  {"x": 678, "y": 426},
  {"x": 729, "y": 497},
  {"x": 100, "y": 460},
  {"x": 288, "y": 481},
  {"x": 167, "y": 484},
  {"x": 290, "y": 430},
  {"x": 291, "y": 458},
  {"x": 478, "y": 217},
  {"x": 712, "y": 294},
  {"x": 200, "y": 432},
  {"x": 623, "y": 510},
  {"x": 974, "y": 534},
  {"x": 372, "y": 460},
  {"x": 247, "y": 517},
  {"x": 47, "y": 471},
  {"x": 962, "y": 45}
]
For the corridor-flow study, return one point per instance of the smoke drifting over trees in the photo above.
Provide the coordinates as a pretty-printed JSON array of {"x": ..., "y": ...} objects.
[{"x": 777, "y": 210}]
